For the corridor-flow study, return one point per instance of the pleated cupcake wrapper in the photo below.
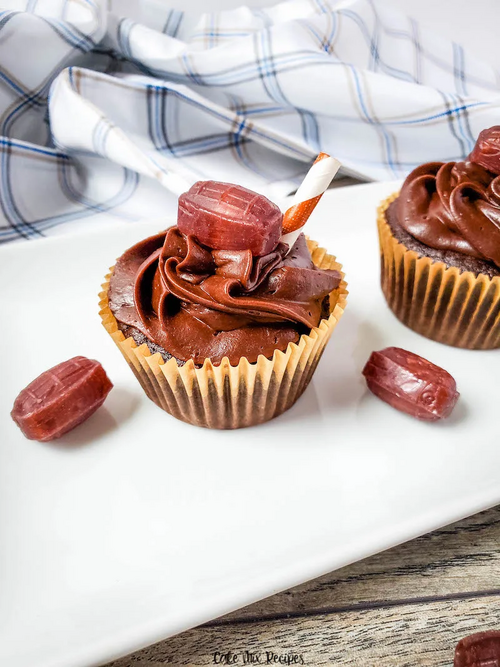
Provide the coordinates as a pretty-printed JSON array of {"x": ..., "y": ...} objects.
[
  {"x": 442, "y": 303},
  {"x": 224, "y": 396}
]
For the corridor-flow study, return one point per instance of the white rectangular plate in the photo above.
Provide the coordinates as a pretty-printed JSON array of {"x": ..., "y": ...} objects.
[{"x": 136, "y": 526}]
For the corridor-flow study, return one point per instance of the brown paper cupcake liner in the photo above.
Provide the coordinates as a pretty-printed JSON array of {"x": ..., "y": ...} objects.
[
  {"x": 224, "y": 396},
  {"x": 442, "y": 303}
]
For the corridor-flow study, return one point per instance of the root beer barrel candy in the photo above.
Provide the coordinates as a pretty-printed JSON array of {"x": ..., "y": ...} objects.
[
  {"x": 61, "y": 398},
  {"x": 486, "y": 152},
  {"x": 479, "y": 650},
  {"x": 224, "y": 216},
  {"x": 411, "y": 384}
]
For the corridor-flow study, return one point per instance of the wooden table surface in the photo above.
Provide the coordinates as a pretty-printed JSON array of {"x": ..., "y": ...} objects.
[{"x": 404, "y": 607}]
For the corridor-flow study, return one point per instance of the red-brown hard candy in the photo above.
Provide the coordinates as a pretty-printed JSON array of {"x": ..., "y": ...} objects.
[
  {"x": 479, "y": 650},
  {"x": 224, "y": 216},
  {"x": 61, "y": 398},
  {"x": 411, "y": 384},
  {"x": 486, "y": 152}
]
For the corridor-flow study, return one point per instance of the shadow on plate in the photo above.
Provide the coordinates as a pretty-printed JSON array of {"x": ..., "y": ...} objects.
[
  {"x": 122, "y": 403},
  {"x": 332, "y": 387},
  {"x": 307, "y": 407},
  {"x": 457, "y": 417},
  {"x": 344, "y": 359}
]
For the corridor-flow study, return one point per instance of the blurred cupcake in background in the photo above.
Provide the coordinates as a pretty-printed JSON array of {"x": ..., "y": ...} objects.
[{"x": 440, "y": 248}]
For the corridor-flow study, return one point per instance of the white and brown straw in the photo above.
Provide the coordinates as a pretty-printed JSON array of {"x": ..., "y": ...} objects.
[{"x": 310, "y": 191}]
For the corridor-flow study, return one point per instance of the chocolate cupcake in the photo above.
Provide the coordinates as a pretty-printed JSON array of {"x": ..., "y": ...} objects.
[
  {"x": 440, "y": 248},
  {"x": 223, "y": 324}
]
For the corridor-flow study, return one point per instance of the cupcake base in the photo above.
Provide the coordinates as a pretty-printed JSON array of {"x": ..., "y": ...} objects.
[
  {"x": 449, "y": 257},
  {"x": 443, "y": 303},
  {"x": 225, "y": 396}
]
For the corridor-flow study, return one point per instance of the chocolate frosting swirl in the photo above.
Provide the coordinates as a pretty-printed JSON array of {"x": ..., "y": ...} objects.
[
  {"x": 453, "y": 206},
  {"x": 196, "y": 303}
]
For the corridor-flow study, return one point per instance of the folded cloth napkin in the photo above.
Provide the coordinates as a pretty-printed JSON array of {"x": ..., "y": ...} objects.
[{"x": 109, "y": 108}]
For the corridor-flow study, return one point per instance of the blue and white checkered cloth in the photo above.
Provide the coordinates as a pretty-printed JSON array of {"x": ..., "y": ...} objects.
[{"x": 107, "y": 107}]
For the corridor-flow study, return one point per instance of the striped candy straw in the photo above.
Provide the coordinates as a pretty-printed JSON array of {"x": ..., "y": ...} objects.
[{"x": 310, "y": 191}]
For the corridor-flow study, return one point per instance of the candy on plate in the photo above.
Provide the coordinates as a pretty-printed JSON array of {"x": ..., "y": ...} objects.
[
  {"x": 61, "y": 398},
  {"x": 411, "y": 383}
]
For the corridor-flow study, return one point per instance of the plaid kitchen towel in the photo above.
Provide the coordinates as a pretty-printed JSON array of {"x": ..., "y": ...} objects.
[{"x": 111, "y": 107}]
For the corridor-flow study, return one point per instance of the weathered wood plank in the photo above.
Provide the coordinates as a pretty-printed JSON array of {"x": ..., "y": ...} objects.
[
  {"x": 463, "y": 557},
  {"x": 399, "y": 636}
]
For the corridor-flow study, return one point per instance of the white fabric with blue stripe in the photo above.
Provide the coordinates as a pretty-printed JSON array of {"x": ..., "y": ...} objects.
[{"x": 110, "y": 109}]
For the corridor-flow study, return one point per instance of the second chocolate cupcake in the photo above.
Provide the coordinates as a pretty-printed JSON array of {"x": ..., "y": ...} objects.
[{"x": 440, "y": 248}]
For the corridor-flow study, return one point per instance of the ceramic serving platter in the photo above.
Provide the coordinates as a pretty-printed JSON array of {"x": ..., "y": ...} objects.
[{"x": 136, "y": 526}]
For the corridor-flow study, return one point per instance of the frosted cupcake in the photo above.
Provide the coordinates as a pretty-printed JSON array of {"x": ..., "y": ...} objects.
[
  {"x": 221, "y": 321},
  {"x": 440, "y": 248}
]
